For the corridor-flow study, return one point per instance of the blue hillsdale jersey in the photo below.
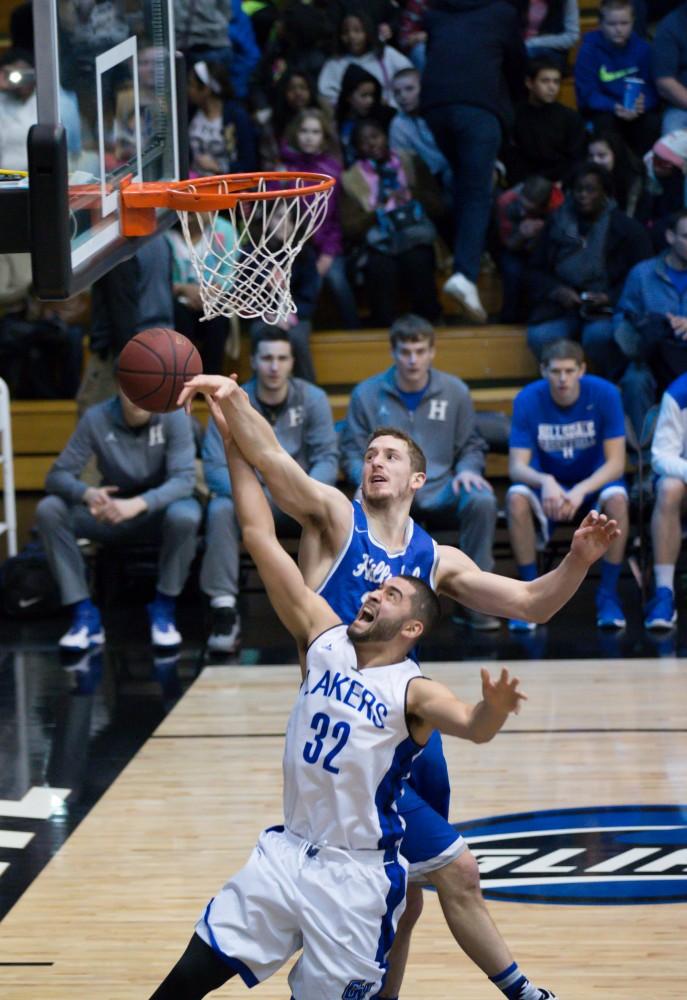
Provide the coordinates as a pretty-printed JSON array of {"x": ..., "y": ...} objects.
[{"x": 363, "y": 565}]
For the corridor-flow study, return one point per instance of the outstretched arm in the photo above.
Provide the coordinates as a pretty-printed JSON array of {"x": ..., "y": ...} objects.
[
  {"x": 535, "y": 601},
  {"x": 303, "y": 613},
  {"x": 431, "y": 705},
  {"x": 294, "y": 491}
]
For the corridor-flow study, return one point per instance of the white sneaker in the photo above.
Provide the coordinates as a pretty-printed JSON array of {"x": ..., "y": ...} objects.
[
  {"x": 85, "y": 631},
  {"x": 465, "y": 292},
  {"x": 163, "y": 629},
  {"x": 225, "y": 631}
]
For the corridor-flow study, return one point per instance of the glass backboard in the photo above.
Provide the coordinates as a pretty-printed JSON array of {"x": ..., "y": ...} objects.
[{"x": 110, "y": 100}]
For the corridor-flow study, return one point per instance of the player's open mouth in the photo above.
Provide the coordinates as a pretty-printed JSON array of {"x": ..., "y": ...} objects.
[
  {"x": 378, "y": 479},
  {"x": 366, "y": 614}
]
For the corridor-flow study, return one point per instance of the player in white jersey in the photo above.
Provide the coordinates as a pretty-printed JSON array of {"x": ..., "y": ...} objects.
[
  {"x": 331, "y": 880},
  {"x": 390, "y": 479}
]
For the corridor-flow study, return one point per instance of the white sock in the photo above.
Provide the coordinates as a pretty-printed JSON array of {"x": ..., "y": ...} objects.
[
  {"x": 664, "y": 574},
  {"x": 226, "y": 601}
]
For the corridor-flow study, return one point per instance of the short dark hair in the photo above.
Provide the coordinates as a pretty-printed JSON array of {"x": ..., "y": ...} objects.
[
  {"x": 538, "y": 65},
  {"x": 418, "y": 462},
  {"x": 425, "y": 602},
  {"x": 591, "y": 169},
  {"x": 537, "y": 189},
  {"x": 406, "y": 71},
  {"x": 562, "y": 350},
  {"x": 606, "y": 5},
  {"x": 263, "y": 333},
  {"x": 410, "y": 328},
  {"x": 676, "y": 219}
]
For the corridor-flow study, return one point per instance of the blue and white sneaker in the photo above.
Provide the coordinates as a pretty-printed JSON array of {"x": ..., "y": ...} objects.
[
  {"x": 609, "y": 612},
  {"x": 163, "y": 629},
  {"x": 660, "y": 612},
  {"x": 517, "y": 625},
  {"x": 86, "y": 630}
]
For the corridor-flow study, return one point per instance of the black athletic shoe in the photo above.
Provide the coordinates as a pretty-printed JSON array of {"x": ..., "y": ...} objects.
[{"x": 225, "y": 630}]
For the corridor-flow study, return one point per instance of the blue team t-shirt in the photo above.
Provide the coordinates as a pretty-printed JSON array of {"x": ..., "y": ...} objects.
[
  {"x": 567, "y": 441},
  {"x": 678, "y": 278}
]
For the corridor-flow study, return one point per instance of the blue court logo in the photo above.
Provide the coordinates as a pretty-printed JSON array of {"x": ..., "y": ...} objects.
[{"x": 615, "y": 855}]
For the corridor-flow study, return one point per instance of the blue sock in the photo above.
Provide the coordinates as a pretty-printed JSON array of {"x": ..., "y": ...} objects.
[
  {"x": 610, "y": 574},
  {"x": 515, "y": 985},
  {"x": 86, "y": 606},
  {"x": 527, "y": 571},
  {"x": 165, "y": 601}
]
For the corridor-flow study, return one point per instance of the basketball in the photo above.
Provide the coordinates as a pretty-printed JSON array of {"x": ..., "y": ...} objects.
[{"x": 153, "y": 367}]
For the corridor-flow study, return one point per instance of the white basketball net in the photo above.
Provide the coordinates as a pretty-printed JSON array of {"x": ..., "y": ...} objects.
[{"x": 248, "y": 274}]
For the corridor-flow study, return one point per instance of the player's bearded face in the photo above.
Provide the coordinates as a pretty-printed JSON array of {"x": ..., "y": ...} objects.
[{"x": 376, "y": 621}]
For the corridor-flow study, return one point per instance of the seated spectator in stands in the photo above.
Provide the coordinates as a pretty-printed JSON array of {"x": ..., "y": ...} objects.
[
  {"x": 412, "y": 33},
  {"x": 202, "y": 30},
  {"x": 548, "y": 138},
  {"x": 567, "y": 456},
  {"x": 670, "y": 67},
  {"x": 614, "y": 80},
  {"x": 41, "y": 345},
  {"x": 293, "y": 94},
  {"x": 358, "y": 43},
  {"x": 612, "y": 153},
  {"x": 360, "y": 99},
  {"x": 669, "y": 463},
  {"x": 146, "y": 461},
  {"x": 311, "y": 146},
  {"x": 19, "y": 109},
  {"x": 220, "y": 131},
  {"x": 302, "y": 420},
  {"x": 388, "y": 202},
  {"x": 436, "y": 409},
  {"x": 409, "y": 130},
  {"x": 651, "y": 324},
  {"x": 551, "y": 29},
  {"x": 578, "y": 268},
  {"x": 209, "y": 335},
  {"x": 475, "y": 56},
  {"x": 666, "y": 167},
  {"x": 521, "y": 215}
]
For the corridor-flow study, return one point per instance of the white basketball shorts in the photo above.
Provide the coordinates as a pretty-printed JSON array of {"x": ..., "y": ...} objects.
[{"x": 340, "y": 907}]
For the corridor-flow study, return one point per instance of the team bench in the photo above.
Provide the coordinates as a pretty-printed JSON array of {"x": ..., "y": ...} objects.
[{"x": 494, "y": 360}]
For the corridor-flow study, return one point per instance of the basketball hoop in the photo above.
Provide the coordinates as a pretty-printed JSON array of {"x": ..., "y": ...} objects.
[{"x": 272, "y": 215}]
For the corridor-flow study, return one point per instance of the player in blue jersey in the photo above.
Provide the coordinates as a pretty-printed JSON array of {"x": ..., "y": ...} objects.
[
  {"x": 346, "y": 550},
  {"x": 567, "y": 455},
  {"x": 331, "y": 881}
]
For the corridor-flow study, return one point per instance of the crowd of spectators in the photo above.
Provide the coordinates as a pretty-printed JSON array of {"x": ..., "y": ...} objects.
[{"x": 443, "y": 124}]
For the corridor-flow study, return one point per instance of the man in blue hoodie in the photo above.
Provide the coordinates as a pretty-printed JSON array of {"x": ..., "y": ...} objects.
[{"x": 614, "y": 80}]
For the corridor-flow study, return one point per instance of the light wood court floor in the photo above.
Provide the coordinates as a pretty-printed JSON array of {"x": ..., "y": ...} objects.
[{"x": 114, "y": 908}]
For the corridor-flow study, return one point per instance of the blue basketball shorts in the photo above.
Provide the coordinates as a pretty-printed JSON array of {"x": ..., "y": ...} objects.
[{"x": 429, "y": 842}]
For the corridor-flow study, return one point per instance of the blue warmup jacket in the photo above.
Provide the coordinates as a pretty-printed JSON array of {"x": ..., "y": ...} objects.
[{"x": 601, "y": 69}]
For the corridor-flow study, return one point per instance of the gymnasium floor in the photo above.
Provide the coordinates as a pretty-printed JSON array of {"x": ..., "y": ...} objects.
[{"x": 168, "y": 788}]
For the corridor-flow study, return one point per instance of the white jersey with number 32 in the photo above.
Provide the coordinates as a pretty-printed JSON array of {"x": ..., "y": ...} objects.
[{"x": 347, "y": 748}]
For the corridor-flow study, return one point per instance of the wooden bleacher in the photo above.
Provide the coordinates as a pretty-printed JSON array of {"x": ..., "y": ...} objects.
[{"x": 494, "y": 360}]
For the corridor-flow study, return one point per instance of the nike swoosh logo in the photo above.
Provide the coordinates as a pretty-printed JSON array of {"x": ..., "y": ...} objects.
[
  {"x": 26, "y": 602},
  {"x": 609, "y": 76}
]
